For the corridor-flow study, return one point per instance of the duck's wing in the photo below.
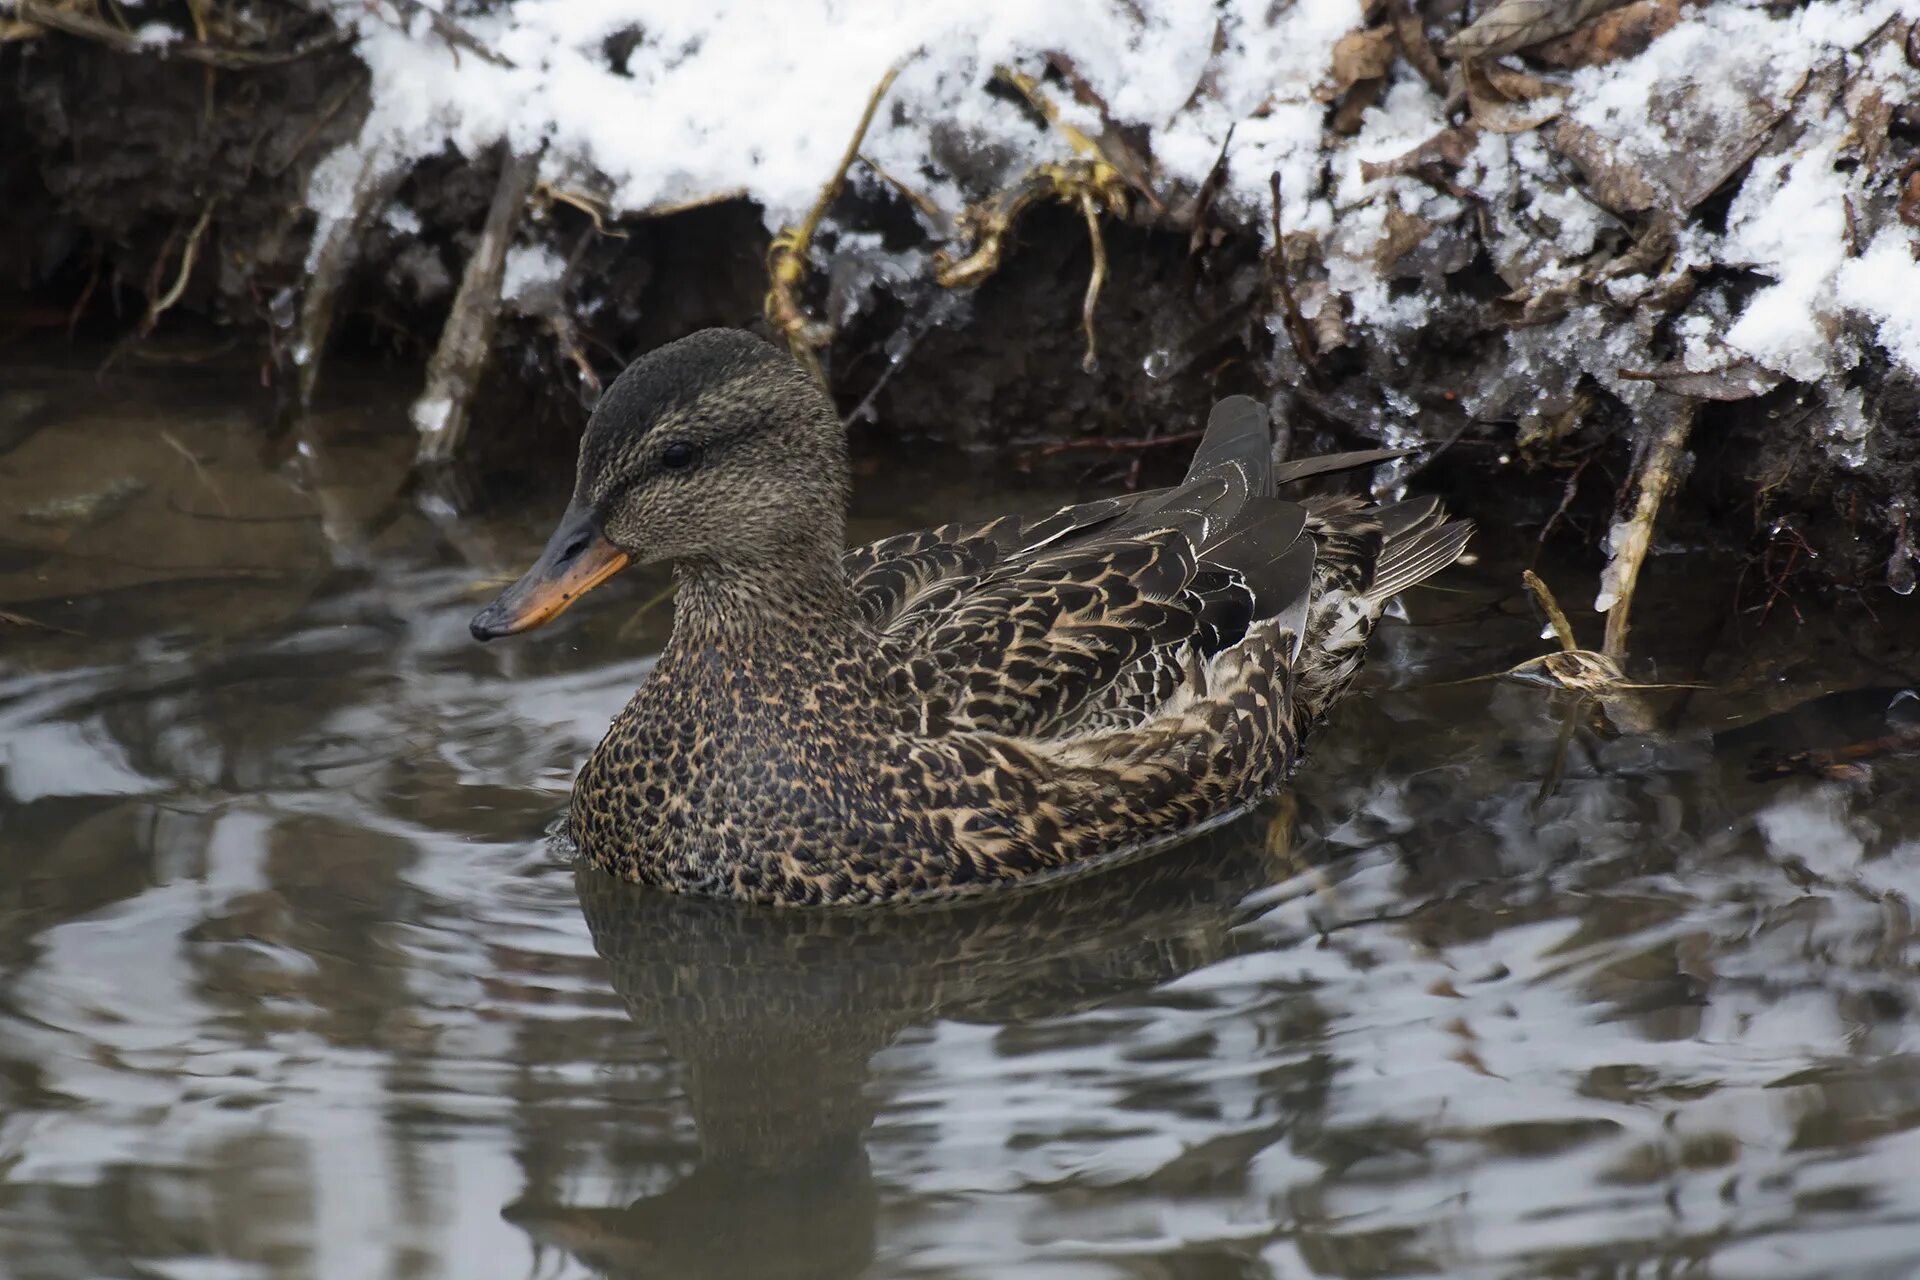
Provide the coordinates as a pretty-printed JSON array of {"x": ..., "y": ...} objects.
[
  {"x": 1102, "y": 623},
  {"x": 898, "y": 574}
]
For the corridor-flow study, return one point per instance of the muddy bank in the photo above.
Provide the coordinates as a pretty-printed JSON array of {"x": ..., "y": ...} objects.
[{"x": 152, "y": 187}]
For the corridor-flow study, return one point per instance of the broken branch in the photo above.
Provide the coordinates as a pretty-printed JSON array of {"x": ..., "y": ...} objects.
[{"x": 1655, "y": 478}]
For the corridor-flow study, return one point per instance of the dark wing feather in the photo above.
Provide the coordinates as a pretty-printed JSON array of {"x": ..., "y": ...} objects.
[
  {"x": 1094, "y": 616},
  {"x": 1100, "y": 624}
]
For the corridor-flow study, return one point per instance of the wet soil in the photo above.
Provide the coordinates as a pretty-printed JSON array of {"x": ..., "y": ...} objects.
[{"x": 292, "y": 981}]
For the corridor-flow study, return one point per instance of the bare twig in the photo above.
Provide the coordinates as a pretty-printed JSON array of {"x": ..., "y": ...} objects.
[
  {"x": 1556, "y": 617},
  {"x": 594, "y": 208},
  {"x": 1107, "y": 444},
  {"x": 1095, "y": 279},
  {"x": 456, "y": 36},
  {"x": 159, "y": 303},
  {"x": 338, "y": 245},
  {"x": 1210, "y": 189},
  {"x": 453, "y": 374},
  {"x": 920, "y": 200},
  {"x": 1655, "y": 478},
  {"x": 1296, "y": 325},
  {"x": 86, "y": 27}
]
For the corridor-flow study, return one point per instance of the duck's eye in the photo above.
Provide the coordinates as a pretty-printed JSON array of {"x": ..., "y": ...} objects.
[{"x": 678, "y": 456}]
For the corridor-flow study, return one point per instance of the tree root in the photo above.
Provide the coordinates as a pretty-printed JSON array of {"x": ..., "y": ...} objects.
[
  {"x": 333, "y": 257},
  {"x": 1092, "y": 186},
  {"x": 787, "y": 255},
  {"x": 1092, "y": 183}
]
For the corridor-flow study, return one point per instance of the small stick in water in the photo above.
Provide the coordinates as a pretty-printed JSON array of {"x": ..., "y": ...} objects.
[{"x": 1655, "y": 478}]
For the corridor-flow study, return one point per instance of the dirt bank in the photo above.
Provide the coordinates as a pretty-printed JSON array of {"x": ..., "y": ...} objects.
[{"x": 147, "y": 185}]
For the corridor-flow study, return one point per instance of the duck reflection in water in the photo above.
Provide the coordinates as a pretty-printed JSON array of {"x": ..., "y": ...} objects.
[{"x": 775, "y": 1017}]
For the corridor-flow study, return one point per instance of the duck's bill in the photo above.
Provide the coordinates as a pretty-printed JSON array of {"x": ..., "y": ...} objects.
[{"x": 577, "y": 559}]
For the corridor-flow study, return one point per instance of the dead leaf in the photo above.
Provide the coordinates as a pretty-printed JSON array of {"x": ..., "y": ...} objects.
[
  {"x": 1347, "y": 116},
  {"x": 1739, "y": 380},
  {"x": 1327, "y": 326},
  {"x": 1508, "y": 101},
  {"x": 1518, "y": 24},
  {"x": 1623, "y": 33},
  {"x": 1405, "y": 233},
  {"x": 1648, "y": 255},
  {"x": 1448, "y": 149},
  {"x": 1359, "y": 55},
  {"x": 1614, "y": 181},
  {"x": 1870, "y": 116},
  {"x": 1707, "y": 142},
  {"x": 1869, "y": 113},
  {"x": 1410, "y": 31}
]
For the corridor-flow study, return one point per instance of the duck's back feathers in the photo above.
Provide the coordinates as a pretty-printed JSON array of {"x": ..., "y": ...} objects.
[{"x": 1097, "y": 616}]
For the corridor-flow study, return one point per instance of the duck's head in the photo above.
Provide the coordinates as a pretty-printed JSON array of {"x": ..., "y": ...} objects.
[{"x": 715, "y": 450}]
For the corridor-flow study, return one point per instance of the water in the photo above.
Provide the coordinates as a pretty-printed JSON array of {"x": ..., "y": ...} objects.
[{"x": 291, "y": 983}]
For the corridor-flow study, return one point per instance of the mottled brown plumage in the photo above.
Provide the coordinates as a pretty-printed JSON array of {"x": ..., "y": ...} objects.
[{"x": 960, "y": 708}]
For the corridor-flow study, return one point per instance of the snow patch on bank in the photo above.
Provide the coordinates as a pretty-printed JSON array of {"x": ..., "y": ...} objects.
[{"x": 651, "y": 104}]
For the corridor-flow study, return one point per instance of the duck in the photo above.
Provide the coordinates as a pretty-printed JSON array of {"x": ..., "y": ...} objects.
[{"x": 957, "y": 710}]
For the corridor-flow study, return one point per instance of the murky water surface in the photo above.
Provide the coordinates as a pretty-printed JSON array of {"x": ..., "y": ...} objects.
[{"x": 291, "y": 984}]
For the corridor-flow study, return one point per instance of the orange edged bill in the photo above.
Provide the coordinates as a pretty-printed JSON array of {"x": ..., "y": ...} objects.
[{"x": 577, "y": 559}]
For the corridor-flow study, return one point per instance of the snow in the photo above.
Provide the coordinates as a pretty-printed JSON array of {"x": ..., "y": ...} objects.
[
  {"x": 528, "y": 269},
  {"x": 1883, "y": 285},
  {"x": 1789, "y": 221},
  {"x": 651, "y": 104}
]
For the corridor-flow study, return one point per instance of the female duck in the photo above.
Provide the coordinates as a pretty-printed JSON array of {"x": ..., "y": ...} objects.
[{"x": 956, "y": 709}]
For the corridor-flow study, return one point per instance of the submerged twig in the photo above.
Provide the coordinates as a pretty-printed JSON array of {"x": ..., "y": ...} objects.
[
  {"x": 787, "y": 255},
  {"x": 33, "y": 624},
  {"x": 1837, "y": 762},
  {"x": 1556, "y": 616}
]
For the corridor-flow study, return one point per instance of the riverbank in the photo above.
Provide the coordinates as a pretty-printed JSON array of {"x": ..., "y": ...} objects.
[{"x": 1646, "y": 275}]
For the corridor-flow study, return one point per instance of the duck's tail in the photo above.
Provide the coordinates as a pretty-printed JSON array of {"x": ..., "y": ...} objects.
[{"x": 1365, "y": 555}]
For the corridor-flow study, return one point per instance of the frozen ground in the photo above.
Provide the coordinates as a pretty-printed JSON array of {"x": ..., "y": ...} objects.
[{"x": 1594, "y": 185}]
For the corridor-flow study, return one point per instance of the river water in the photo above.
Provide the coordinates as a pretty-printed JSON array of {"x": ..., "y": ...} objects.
[{"x": 293, "y": 984}]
